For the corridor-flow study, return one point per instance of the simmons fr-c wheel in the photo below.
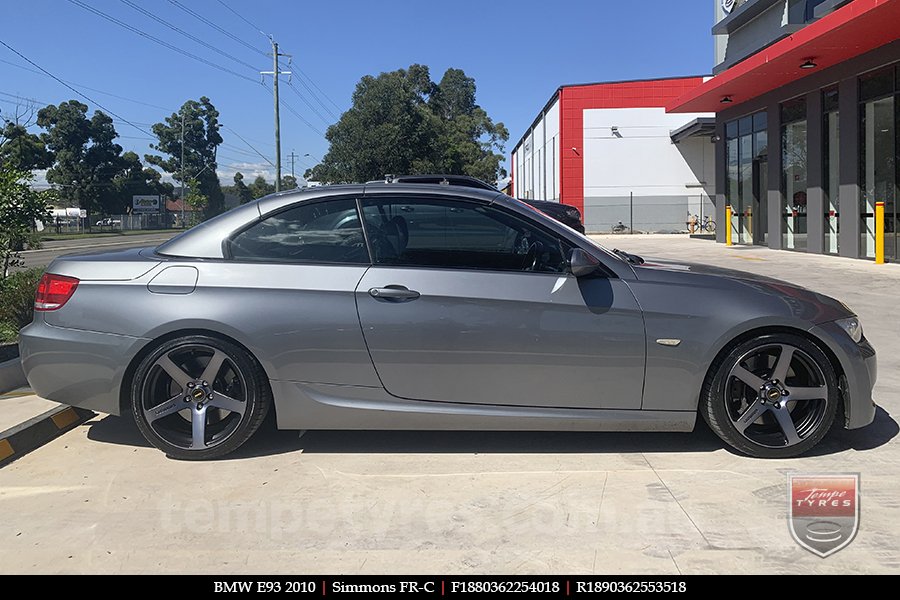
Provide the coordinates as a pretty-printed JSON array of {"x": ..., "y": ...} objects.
[
  {"x": 199, "y": 397},
  {"x": 774, "y": 396}
]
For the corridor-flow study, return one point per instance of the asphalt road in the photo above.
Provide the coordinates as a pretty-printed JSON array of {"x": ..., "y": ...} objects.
[
  {"x": 99, "y": 500},
  {"x": 50, "y": 250}
]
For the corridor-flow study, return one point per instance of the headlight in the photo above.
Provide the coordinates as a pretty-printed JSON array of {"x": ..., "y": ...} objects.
[{"x": 853, "y": 328}]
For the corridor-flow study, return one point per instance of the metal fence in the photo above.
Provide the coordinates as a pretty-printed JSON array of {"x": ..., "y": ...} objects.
[
  {"x": 134, "y": 222},
  {"x": 647, "y": 214}
]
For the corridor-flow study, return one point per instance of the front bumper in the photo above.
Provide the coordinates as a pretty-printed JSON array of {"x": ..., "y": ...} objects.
[
  {"x": 76, "y": 367},
  {"x": 860, "y": 368}
]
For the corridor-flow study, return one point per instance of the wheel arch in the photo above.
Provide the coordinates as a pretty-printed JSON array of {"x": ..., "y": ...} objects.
[
  {"x": 773, "y": 329},
  {"x": 151, "y": 345}
]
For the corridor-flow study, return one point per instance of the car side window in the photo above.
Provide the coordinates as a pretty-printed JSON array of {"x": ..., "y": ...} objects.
[
  {"x": 425, "y": 232},
  {"x": 319, "y": 232}
]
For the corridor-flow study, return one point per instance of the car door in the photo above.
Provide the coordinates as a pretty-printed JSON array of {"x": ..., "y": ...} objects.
[
  {"x": 468, "y": 302},
  {"x": 288, "y": 286}
]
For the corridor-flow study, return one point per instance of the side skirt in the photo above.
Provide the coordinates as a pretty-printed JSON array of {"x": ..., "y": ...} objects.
[{"x": 322, "y": 406}]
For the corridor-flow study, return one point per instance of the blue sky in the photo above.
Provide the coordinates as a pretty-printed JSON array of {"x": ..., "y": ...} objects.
[{"x": 518, "y": 53}]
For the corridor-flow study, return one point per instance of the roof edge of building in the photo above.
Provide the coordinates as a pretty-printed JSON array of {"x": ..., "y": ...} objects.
[{"x": 555, "y": 95}]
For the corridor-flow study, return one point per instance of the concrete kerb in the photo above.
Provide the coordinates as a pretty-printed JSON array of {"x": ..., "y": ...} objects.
[{"x": 37, "y": 431}]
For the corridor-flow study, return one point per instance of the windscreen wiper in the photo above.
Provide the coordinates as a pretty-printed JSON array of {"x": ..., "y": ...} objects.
[{"x": 629, "y": 257}]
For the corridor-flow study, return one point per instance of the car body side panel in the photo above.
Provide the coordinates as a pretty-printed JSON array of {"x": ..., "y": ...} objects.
[
  {"x": 510, "y": 338},
  {"x": 77, "y": 367},
  {"x": 704, "y": 313},
  {"x": 318, "y": 406},
  {"x": 298, "y": 320},
  {"x": 860, "y": 369}
]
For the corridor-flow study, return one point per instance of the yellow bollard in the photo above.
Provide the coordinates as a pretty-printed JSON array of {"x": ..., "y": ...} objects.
[
  {"x": 728, "y": 225},
  {"x": 879, "y": 233}
]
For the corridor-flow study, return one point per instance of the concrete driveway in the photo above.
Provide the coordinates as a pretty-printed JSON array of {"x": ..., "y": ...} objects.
[{"x": 98, "y": 500}]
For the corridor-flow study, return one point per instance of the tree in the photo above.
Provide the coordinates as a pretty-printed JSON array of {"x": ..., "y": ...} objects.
[
  {"x": 20, "y": 208},
  {"x": 87, "y": 158},
  {"x": 20, "y": 149},
  {"x": 136, "y": 180},
  {"x": 201, "y": 140},
  {"x": 194, "y": 197},
  {"x": 260, "y": 187},
  {"x": 402, "y": 122},
  {"x": 288, "y": 182},
  {"x": 240, "y": 189}
]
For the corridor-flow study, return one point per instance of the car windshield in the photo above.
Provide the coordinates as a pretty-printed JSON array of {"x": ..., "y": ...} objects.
[{"x": 593, "y": 243}]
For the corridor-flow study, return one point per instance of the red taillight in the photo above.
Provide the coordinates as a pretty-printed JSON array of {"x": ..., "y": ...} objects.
[{"x": 54, "y": 291}]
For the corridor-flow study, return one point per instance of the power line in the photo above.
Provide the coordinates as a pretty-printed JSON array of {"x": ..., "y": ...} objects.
[
  {"x": 216, "y": 27},
  {"x": 308, "y": 103},
  {"x": 297, "y": 114},
  {"x": 320, "y": 91},
  {"x": 250, "y": 145},
  {"x": 81, "y": 85},
  {"x": 61, "y": 82},
  {"x": 35, "y": 100},
  {"x": 156, "y": 40},
  {"x": 243, "y": 18},
  {"x": 192, "y": 37}
]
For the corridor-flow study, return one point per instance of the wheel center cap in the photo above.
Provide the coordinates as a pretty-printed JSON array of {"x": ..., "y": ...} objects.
[
  {"x": 198, "y": 394},
  {"x": 771, "y": 393}
]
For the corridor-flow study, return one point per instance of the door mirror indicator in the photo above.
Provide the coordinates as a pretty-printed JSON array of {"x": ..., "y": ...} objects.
[{"x": 582, "y": 264}]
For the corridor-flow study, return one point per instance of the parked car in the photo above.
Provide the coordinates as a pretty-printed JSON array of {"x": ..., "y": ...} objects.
[
  {"x": 565, "y": 214},
  {"x": 403, "y": 306}
]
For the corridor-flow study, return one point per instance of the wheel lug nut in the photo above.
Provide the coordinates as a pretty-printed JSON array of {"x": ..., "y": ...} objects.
[
  {"x": 187, "y": 398},
  {"x": 204, "y": 384},
  {"x": 190, "y": 384},
  {"x": 209, "y": 397}
]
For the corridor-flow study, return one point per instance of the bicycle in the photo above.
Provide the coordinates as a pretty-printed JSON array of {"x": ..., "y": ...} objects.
[
  {"x": 619, "y": 227},
  {"x": 706, "y": 224}
]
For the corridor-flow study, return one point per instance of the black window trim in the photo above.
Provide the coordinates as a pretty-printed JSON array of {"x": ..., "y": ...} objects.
[{"x": 229, "y": 257}]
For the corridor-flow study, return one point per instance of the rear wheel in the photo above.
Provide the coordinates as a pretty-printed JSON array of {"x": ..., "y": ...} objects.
[
  {"x": 774, "y": 396},
  {"x": 199, "y": 397}
]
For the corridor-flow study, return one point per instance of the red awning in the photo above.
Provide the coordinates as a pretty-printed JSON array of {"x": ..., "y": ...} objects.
[{"x": 853, "y": 29}]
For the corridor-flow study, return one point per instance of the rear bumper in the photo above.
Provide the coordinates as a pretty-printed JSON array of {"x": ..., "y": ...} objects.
[
  {"x": 860, "y": 370},
  {"x": 76, "y": 367}
]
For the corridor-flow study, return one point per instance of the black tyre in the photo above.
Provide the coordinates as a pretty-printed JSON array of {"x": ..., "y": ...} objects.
[
  {"x": 711, "y": 226},
  {"x": 199, "y": 397},
  {"x": 773, "y": 396}
]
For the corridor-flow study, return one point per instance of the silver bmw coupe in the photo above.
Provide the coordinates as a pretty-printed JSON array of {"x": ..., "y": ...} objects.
[{"x": 404, "y": 306}]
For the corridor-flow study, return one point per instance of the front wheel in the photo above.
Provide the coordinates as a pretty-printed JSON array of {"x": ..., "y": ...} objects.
[
  {"x": 199, "y": 397},
  {"x": 711, "y": 226},
  {"x": 773, "y": 396}
]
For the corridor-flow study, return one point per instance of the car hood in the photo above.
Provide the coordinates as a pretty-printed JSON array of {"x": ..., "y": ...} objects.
[{"x": 799, "y": 301}]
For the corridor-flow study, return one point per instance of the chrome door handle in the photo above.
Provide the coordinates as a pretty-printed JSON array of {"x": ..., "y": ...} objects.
[{"x": 394, "y": 292}]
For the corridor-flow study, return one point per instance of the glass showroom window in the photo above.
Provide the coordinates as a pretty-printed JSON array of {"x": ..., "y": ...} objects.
[
  {"x": 878, "y": 158},
  {"x": 830, "y": 171},
  {"x": 793, "y": 175},
  {"x": 745, "y": 148}
]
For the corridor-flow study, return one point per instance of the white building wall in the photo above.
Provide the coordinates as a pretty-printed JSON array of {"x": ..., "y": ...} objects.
[
  {"x": 633, "y": 172},
  {"x": 536, "y": 160}
]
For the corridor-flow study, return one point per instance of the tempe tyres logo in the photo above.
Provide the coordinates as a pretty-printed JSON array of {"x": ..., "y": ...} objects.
[{"x": 824, "y": 516}]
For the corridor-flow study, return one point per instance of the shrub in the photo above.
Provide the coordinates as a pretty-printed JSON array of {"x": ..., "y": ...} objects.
[{"x": 17, "y": 301}]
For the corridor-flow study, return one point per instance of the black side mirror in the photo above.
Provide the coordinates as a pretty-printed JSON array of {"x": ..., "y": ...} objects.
[{"x": 582, "y": 264}]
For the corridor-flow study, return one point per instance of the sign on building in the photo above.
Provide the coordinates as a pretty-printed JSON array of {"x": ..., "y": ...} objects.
[{"x": 145, "y": 204}]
